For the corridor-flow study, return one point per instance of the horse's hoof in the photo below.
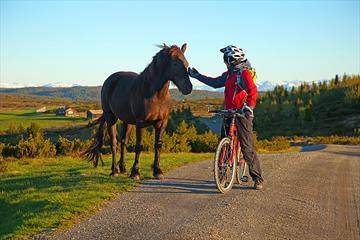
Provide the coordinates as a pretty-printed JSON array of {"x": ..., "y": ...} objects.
[
  {"x": 122, "y": 170},
  {"x": 159, "y": 176},
  {"x": 135, "y": 178},
  {"x": 114, "y": 174}
]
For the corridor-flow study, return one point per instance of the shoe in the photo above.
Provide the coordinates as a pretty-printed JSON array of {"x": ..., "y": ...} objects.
[{"x": 258, "y": 185}]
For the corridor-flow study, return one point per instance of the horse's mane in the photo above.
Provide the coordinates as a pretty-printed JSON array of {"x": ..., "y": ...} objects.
[{"x": 159, "y": 62}]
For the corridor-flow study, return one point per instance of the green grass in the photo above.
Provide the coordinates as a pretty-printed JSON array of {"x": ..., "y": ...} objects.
[
  {"x": 25, "y": 117},
  {"x": 41, "y": 195}
]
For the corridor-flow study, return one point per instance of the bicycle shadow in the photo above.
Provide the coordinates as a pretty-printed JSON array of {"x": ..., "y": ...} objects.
[{"x": 182, "y": 186}]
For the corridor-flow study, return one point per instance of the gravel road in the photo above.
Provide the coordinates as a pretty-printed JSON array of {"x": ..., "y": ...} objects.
[{"x": 313, "y": 194}]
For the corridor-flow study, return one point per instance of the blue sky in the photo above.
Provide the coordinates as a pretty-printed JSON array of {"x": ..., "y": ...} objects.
[{"x": 83, "y": 42}]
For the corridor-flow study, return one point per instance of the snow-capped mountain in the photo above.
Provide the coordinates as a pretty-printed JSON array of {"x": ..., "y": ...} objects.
[
  {"x": 262, "y": 86},
  {"x": 268, "y": 86},
  {"x": 49, "y": 85},
  {"x": 60, "y": 85}
]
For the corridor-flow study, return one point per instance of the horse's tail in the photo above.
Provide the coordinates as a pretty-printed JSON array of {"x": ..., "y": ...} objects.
[{"x": 93, "y": 154}]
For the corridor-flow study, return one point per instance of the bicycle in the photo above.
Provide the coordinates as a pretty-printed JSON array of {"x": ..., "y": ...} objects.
[{"x": 228, "y": 158}]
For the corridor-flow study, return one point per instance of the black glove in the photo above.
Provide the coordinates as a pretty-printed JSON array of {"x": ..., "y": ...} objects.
[{"x": 193, "y": 73}]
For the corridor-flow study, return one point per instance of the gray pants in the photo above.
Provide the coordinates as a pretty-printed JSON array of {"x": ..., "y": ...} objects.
[{"x": 244, "y": 126}]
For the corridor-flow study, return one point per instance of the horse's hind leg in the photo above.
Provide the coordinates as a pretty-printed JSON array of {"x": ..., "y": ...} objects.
[
  {"x": 135, "y": 168},
  {"x": 123, "y": 141},
  {"x": 111, "y": 126}
]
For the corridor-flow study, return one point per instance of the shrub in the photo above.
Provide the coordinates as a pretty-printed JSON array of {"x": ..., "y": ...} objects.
[
  {"x": 168, "y": 143},
  {"x": 10, "y": 151},
  {"x": 206, "y": 142},
  {"x": 71, "y": 148},
  {"x": 333, "y": 139},
  {"x": 33, "y": 130},
  {"x": 64, "y": 146},
  {"x": 275, "y": 144},
  {"x": 36, "y": 146},
  {"x": 80, "y": 146},
  {"x": 14, "y": 129},
  {"x": 183, "y": 135},
  {"x": 2, "y": 146},
  {"x": 3, "y": 165}
]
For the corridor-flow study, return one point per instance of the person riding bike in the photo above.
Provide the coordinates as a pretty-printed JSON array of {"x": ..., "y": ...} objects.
[{"x": 240, "y": 93}]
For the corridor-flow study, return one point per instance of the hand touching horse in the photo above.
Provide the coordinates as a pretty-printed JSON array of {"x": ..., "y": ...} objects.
[{"x": 141, "y": 100}]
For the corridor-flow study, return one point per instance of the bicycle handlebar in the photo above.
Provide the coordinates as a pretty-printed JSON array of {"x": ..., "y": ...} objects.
[{"x": 228, "y": 111}]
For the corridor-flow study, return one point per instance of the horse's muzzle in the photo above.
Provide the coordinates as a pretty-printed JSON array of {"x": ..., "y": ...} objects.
[{"x": 187, "y": 90}]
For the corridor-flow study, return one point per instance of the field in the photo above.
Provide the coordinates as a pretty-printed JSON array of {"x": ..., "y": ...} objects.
[
  {"x": 15, "y": 119},
  {"x": 40, "y": 195}
]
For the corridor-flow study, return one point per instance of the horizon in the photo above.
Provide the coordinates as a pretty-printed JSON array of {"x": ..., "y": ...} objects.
[{"x": 84, "y": 42}]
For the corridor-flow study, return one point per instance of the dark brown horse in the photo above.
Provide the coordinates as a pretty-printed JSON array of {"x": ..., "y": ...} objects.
[{"x": 141, "y": 100}]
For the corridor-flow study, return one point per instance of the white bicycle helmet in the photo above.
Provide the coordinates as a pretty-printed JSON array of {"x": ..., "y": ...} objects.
[{"x": 233, "y": 55}]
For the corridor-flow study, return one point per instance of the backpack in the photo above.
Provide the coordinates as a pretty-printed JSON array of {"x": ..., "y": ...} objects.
[{"x": 241, "y": 83}]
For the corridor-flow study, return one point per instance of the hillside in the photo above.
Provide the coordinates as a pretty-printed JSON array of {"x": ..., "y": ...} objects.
[
  {"x": 93, "y": 93},
  {"x": 318, "y": 109}
]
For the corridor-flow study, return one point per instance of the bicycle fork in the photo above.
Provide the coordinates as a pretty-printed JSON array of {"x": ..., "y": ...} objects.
[{"x": 232, "y": 132}]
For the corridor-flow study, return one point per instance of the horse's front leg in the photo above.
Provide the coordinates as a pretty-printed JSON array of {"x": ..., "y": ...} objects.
[
  {"x": 135, "y": 168},
  {"x": 112, "y": 134},
  {"x": 159, "y": 131},
  {"x": 123, "y": 142}
]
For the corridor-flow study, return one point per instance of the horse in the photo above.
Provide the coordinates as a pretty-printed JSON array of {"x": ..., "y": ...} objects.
[{"x": 142, "y": 100}]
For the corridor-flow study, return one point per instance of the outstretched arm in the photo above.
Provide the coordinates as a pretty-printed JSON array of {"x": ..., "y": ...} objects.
[{"x": 217, "y": 82}]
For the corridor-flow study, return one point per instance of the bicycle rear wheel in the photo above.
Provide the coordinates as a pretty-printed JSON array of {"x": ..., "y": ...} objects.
[{"x": 224, "y": 168}]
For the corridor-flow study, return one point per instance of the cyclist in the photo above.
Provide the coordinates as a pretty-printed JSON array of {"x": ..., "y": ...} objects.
[{"x": 240, "y": 93}]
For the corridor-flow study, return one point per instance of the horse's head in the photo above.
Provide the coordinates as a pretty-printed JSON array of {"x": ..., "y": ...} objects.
[{"x": 177, "y": 69}]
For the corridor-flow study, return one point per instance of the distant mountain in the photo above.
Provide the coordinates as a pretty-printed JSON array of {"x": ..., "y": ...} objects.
[
  {"x": 60, "y": 85},
  {"x": 93, "y": 93},
  {"x": 80, "y": 93},
  {"x": 18, "y": 85},
  {"x": 50, "y": 85},
  {"x": 262, "y": 86}
]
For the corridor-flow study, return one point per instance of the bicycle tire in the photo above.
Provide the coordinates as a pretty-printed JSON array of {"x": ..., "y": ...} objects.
[{"x": 223, "y": 153}]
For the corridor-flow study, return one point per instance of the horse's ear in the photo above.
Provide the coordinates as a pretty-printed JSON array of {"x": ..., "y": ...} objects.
[
  {"x": 161, "y": 46},
  {"x": 183, "y": 47}
]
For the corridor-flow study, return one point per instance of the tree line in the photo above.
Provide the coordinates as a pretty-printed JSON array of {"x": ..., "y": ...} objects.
[{"x": 323, "y": 108}]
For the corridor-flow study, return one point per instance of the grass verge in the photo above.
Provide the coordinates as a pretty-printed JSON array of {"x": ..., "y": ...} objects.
[
  {"x": 41, "y": 195},
  {"x": 290, "y": 149}
]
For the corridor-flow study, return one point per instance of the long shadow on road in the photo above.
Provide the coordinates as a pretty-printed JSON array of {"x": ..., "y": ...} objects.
[
  {"x": 177, "y": 185},
  {"x": 183, "y": 186}
]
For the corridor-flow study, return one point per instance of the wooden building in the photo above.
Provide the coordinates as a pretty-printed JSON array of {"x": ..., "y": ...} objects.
[{"x": 94, "y": 114}]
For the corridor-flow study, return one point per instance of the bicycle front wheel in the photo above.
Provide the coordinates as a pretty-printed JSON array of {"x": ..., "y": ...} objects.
[{"x": 224, "y": 166}]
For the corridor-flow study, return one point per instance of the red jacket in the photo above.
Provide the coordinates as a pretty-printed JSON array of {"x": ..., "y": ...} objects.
[{"x": 235, "y": 96}]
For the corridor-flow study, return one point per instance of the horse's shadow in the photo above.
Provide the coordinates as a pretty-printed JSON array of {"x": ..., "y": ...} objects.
[{"x": 182, "y": 186}]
